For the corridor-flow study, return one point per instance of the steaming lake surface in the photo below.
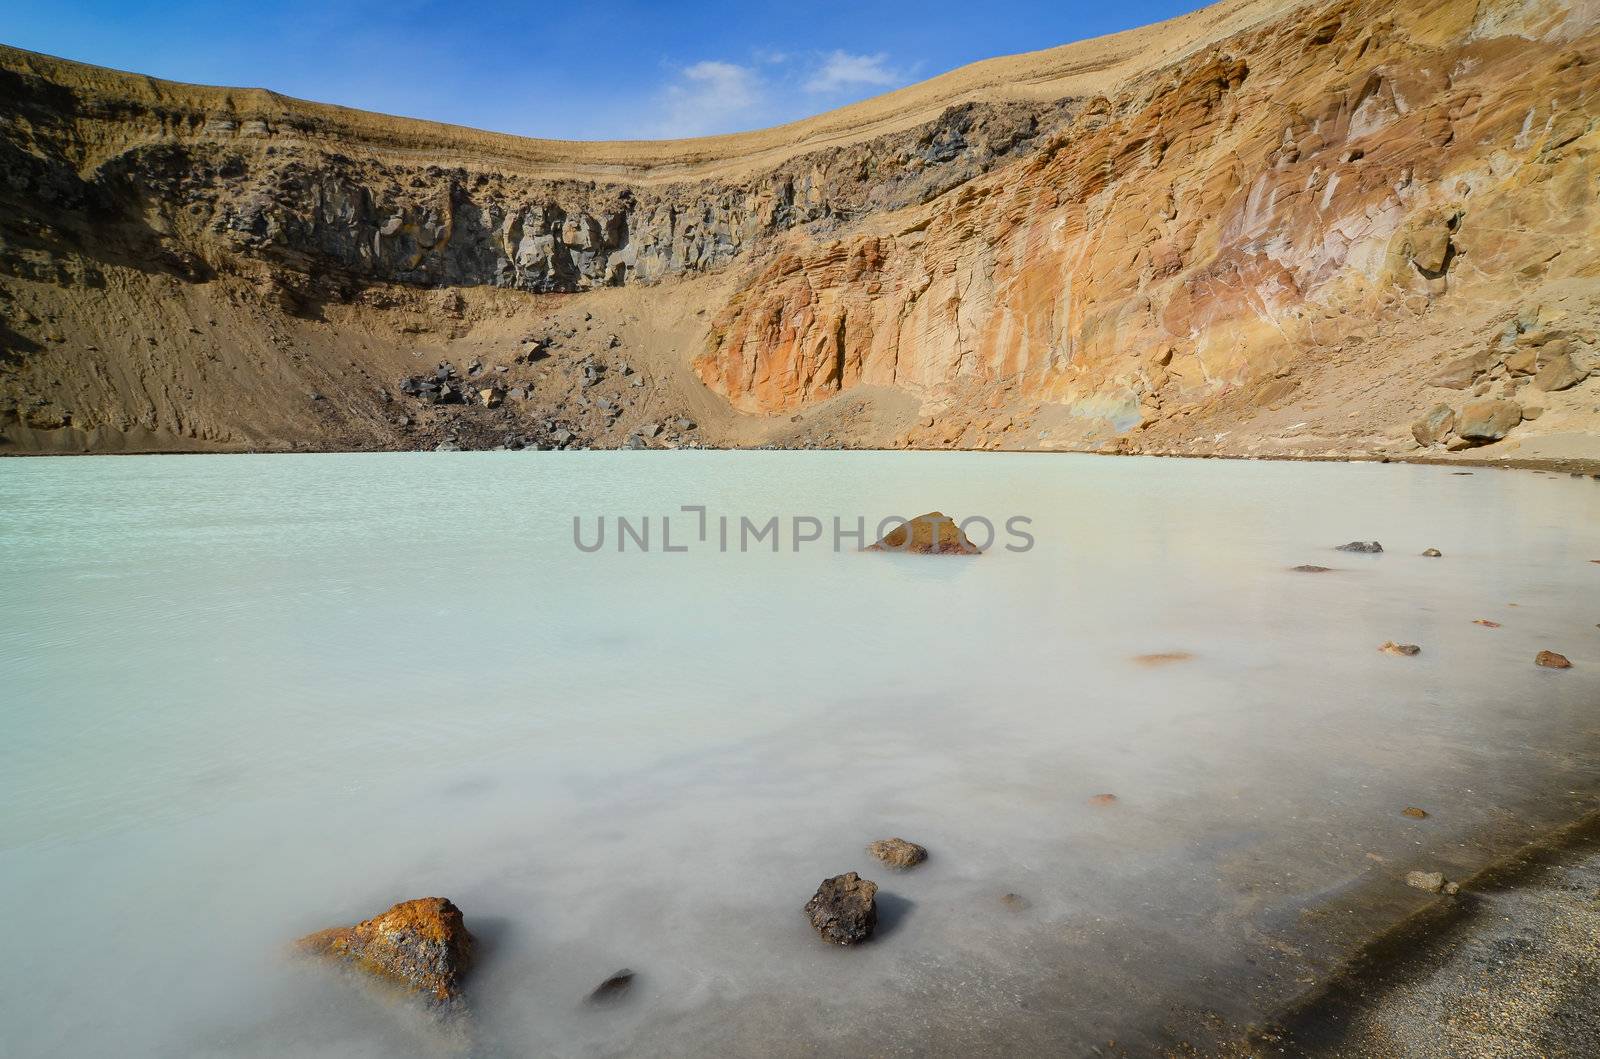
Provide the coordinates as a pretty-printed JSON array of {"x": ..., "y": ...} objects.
[{"x": 248, "y": 697}]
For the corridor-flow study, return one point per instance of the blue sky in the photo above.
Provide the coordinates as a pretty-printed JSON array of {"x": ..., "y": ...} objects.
[{"x": 575, "y": 70}]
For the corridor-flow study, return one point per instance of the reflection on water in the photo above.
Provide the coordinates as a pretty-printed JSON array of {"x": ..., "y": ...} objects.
[{"x": 248, "y": 697}]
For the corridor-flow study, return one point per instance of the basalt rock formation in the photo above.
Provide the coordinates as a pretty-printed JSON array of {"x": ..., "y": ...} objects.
[{"x": 1345, "y": 227}]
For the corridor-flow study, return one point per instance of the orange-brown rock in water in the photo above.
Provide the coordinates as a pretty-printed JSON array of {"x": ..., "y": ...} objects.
[
  {"x": 934, "y": 533},
  {"x": 1552, "y": 660},
  {"x": 422, "y": 944}
]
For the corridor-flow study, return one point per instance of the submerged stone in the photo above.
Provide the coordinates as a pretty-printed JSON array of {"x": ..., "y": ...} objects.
[
  {"x": 421, "y": 944},
  {"x": 1390, "y": 647},
  {"x": 898, "y": 853},
  {"x": 612, "y": 989},
  {"x": 934, "y": 533},
  {"x": 1369, "y": 547},
  {"x": 844, "y": 910}
]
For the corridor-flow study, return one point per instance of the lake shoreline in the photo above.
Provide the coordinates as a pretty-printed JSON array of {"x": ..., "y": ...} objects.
[
  {"x": 1578, "y": 466},
  {"x": 1384, "y": 990}
]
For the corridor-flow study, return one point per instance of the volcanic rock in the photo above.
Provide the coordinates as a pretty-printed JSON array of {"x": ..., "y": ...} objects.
[
  {"x": 1460, "y": 374},
  {"x": 1435, "y": 426},
  {"x": 421, "y": 944},
  {"x": 612, "y": 989},
  {"x": 1557, "y": 371},
  {"x": 1488, "y": 419},
  {"x": 844, "y": 909},
  {"x": 898, "y": 853}
]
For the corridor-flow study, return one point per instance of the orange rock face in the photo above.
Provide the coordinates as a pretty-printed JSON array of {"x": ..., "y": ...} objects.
[
  {"x": 1259, "y": 207},
  {"x": 422, "y": 944}
]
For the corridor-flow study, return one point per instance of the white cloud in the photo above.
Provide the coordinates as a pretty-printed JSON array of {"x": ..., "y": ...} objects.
[
  {"x": 840, "y": 71},
  {"x": 716, "y": 96},
  {"x": 711, "y": 97}
]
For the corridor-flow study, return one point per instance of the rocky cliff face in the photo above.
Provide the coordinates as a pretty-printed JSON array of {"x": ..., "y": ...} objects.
[
  {"x": 1363, "y": 169},
  {"x": 1263, "y": 230}
]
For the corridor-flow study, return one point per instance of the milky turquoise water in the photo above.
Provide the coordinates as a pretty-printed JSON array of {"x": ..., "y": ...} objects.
[{"x": 249, "y": 697}]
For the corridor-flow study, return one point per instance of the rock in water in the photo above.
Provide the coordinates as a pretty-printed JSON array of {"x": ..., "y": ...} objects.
[
  {"x": 612, "y": 989},
  {"x": 1488, "y": 419},
  {"x": 1370, "y": 547},
  {"x": 1307, "y": 568},
  {"x": 1390, "y": 647},
  {"x": 1432, "y": 881},
  {"x": 844, "y": 909},
  {"x": 422, "y": 944},
  {"x": 1551, "y": 660},
  {"x": 934, "y": 533},
  {"x": 1433, "y": 553},
  {"x": 1415, "y": 813},
  {"x": 898, "y": 853}
]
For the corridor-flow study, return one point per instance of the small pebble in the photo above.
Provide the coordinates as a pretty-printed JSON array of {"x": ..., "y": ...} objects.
[
  {"x": 1103, "y": 799},
  {"x": 1390, "y": 647},
  {"x": 1015, "y": 902},
  {"x": 1415, "y": 813},
  {"x": 1433, "y": 553},
  {"x": 1486, "y": 623}
]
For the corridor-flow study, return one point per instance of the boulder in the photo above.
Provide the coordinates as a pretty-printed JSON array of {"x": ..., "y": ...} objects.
[
  {"x": 1433, "y": 553},
  {"x": 1392, "y": 648},
  {"x": 931, "y": 534},
  {"x": 1488, "y": 419},
  {"x": 491, "y": 396},
  {"x": 1307, "y": 568},
  {"x": 421, "y": 944},
  {"x": 1460, "y": 373},
  {"x": 1557, "y": 370},
  {"x": 898, "y": 853},
  {"x": 1522, "y": 362},
  {"x": 1370, "y": 547},
  {"x": 1551, "y": 660},
  {"x": 1435, "y": 426},
  {"x": 844, "y": 910}
]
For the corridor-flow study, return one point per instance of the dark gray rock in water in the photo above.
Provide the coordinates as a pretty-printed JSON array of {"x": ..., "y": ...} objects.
[
  {"x": 844, "y": 909},
  {"x": 1307, "y": 568},
  {"x": 613, "y": 989},
  {"x": 1361, "y": 546}
]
